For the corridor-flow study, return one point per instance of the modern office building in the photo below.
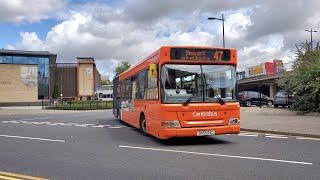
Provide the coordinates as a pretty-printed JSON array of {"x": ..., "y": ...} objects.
[
  {"x": 33, "y": 76},
  {"x": 26, "y": 76}
]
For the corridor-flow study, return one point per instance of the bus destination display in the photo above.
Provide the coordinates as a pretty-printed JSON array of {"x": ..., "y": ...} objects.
[{"x": 199, "y": 54}]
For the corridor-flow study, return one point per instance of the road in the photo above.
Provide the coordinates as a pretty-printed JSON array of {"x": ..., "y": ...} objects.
[{"x": 93, "y": 145}]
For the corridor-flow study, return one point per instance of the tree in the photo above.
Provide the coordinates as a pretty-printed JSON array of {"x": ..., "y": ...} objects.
[
  {"x": 56, "y": 92},
  {"x": 105, "y": 82},
  {"x": 304, "y": 81},
  {"x": 124, "y": 65}
]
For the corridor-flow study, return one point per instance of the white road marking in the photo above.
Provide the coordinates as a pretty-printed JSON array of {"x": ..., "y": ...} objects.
[
  {"x": 308, "y": 138},
  {"x": 32, "y": 119},
  {"x": 218, "y": 155},
  {"x": 101, "y": 126},
  {"x": 120, "y": 126},
  {"x": 14, "y": 122},
  {"x": 114, "y": 127},
  {"x": 248, "y": 134},
  {"x": 32, "y": 138},
  {"x": 274, "y": 135},
  {"x": 36, "y": 123},
  {"x": 251, "y": 135},
  {"x": 279, "y": 136},
  {"x": 66, "y": 124},
  {"x": 83, "y": 125},
  {"x": 69, "y": 124}
]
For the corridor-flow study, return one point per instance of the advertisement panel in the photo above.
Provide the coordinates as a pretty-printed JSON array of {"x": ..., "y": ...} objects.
[
  {"x": 270, "y": 69},
  {"x": 256, "y": 70},
  {"x": 85, "y": 80},
  {"x": 278, "y": 65},
  {"x": 18, "y": 83},
  {"x": 267, "y": 68}
]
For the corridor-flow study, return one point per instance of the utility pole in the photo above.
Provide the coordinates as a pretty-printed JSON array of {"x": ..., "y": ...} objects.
[{"x": 311, "y": 31}]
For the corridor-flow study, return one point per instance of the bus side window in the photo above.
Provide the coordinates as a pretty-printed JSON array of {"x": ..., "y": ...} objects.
[{"x": 141, "y": 85}]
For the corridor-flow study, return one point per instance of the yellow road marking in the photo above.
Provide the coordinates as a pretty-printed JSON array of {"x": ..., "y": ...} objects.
[
  {"x": 8, "y": 178},
  {"x": 14, "y": 176}
]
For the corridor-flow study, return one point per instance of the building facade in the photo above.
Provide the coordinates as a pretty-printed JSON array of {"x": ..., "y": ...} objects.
[
  {"x": 261, "y": 78},
  {"x": 33, "y": 76},
  {"x": 19, "y": 66},
  {"x": 78, "y": 80}
]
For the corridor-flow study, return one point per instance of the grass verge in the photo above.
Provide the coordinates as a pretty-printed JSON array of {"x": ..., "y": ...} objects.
[{"x": 82, "y": 105}]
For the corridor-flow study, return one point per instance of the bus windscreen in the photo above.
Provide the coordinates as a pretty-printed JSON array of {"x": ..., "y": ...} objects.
[{"x": 200, "y": 54}]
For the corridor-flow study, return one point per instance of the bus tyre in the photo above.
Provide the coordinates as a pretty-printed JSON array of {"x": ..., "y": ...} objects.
[
  {"x": 248, "y": 103},
  {"x": 143, "y": 125}
]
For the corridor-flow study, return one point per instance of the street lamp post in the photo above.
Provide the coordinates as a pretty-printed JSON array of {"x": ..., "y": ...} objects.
[
  {"x": 220, "y": 19},
  {"x": 311, "y": 31}
]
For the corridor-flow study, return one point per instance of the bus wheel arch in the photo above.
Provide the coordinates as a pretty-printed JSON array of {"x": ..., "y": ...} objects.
[{"x": 143, "y": 124}]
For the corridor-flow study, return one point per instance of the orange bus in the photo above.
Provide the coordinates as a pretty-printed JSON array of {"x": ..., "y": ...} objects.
[{"x": 180, "y": 91}]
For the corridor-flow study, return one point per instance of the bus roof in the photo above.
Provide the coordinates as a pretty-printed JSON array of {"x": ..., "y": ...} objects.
[{"x": 161, "y": 52}]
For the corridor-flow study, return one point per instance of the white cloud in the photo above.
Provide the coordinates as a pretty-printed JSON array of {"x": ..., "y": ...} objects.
[
  {"x": 31, "y": 40},
  {"x": 19, "y": 11},
  {"x": 113, "y": 34}
]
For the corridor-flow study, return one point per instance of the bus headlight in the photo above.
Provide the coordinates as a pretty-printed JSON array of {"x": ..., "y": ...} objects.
[
  {"x": 234, "y": 121},
  {"x": 170, "y": 124}
]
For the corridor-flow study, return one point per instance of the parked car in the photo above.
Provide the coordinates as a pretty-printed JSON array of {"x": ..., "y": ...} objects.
[
  {"x": 249, "y": 98},
  {"x": 282, "y": 99}
]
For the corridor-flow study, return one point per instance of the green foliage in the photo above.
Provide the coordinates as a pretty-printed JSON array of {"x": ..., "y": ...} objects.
[
  {"x": 105, "y": 82},
  {"x": 56, "y": 92},
  {"x": 304, "y": 81},
  {"x": 83, "y": 105},
  {"x": 122, "y": 67}
]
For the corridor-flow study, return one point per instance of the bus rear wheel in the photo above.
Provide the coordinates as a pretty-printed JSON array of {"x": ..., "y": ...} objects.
[{"x": 143, "y": 125}]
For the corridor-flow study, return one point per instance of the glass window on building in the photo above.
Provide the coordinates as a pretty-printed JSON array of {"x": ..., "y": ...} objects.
[
  {"x": 41, "y": 70},
  {"x": 46, "y": 60},
  {"x": 41, "y": 60},
  {"x": 43, "y": 77},
  {"x": 6, "y": 59},
  {"x": 46, "y": 72},
  {"x": 20, "y": 60},
  {"x": 32, "y": 60}
]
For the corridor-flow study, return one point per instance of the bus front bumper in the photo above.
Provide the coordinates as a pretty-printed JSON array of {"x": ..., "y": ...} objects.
[{"x": 193, "y": 132}]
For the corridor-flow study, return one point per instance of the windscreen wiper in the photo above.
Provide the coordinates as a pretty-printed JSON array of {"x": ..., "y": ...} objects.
[
  {"x": 188, "y": 100},
  {"x": 218, "y": 97}
]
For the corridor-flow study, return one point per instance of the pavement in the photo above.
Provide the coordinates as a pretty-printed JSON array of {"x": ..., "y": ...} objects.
[
  {"x": 279, "y": 121},
  {"x": 93, "y": 145}
]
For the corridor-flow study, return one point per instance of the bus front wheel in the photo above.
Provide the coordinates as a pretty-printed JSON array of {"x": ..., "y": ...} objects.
[{"x": 143, "y": 125}]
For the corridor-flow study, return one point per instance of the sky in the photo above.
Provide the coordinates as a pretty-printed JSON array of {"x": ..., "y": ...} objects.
[{"x": 112, "y": 31}]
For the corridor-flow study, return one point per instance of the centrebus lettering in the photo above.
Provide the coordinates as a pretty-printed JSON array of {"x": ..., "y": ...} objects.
[{"x": 204, "y": 114}]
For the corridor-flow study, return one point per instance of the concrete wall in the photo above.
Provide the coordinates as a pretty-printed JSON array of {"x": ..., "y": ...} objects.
[{"x": 18, "y": 83}]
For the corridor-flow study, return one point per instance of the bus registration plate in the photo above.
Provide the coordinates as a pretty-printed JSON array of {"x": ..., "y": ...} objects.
[{"x": 206, "y": 133}]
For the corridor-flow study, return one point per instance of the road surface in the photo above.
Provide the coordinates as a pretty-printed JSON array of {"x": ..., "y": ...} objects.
[{"x": 93, "y": 145}]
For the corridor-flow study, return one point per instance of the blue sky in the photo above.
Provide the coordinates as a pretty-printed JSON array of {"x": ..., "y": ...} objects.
[
  {"x": 10, "y": 32},
  {"x": 114, "y": 31}
]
